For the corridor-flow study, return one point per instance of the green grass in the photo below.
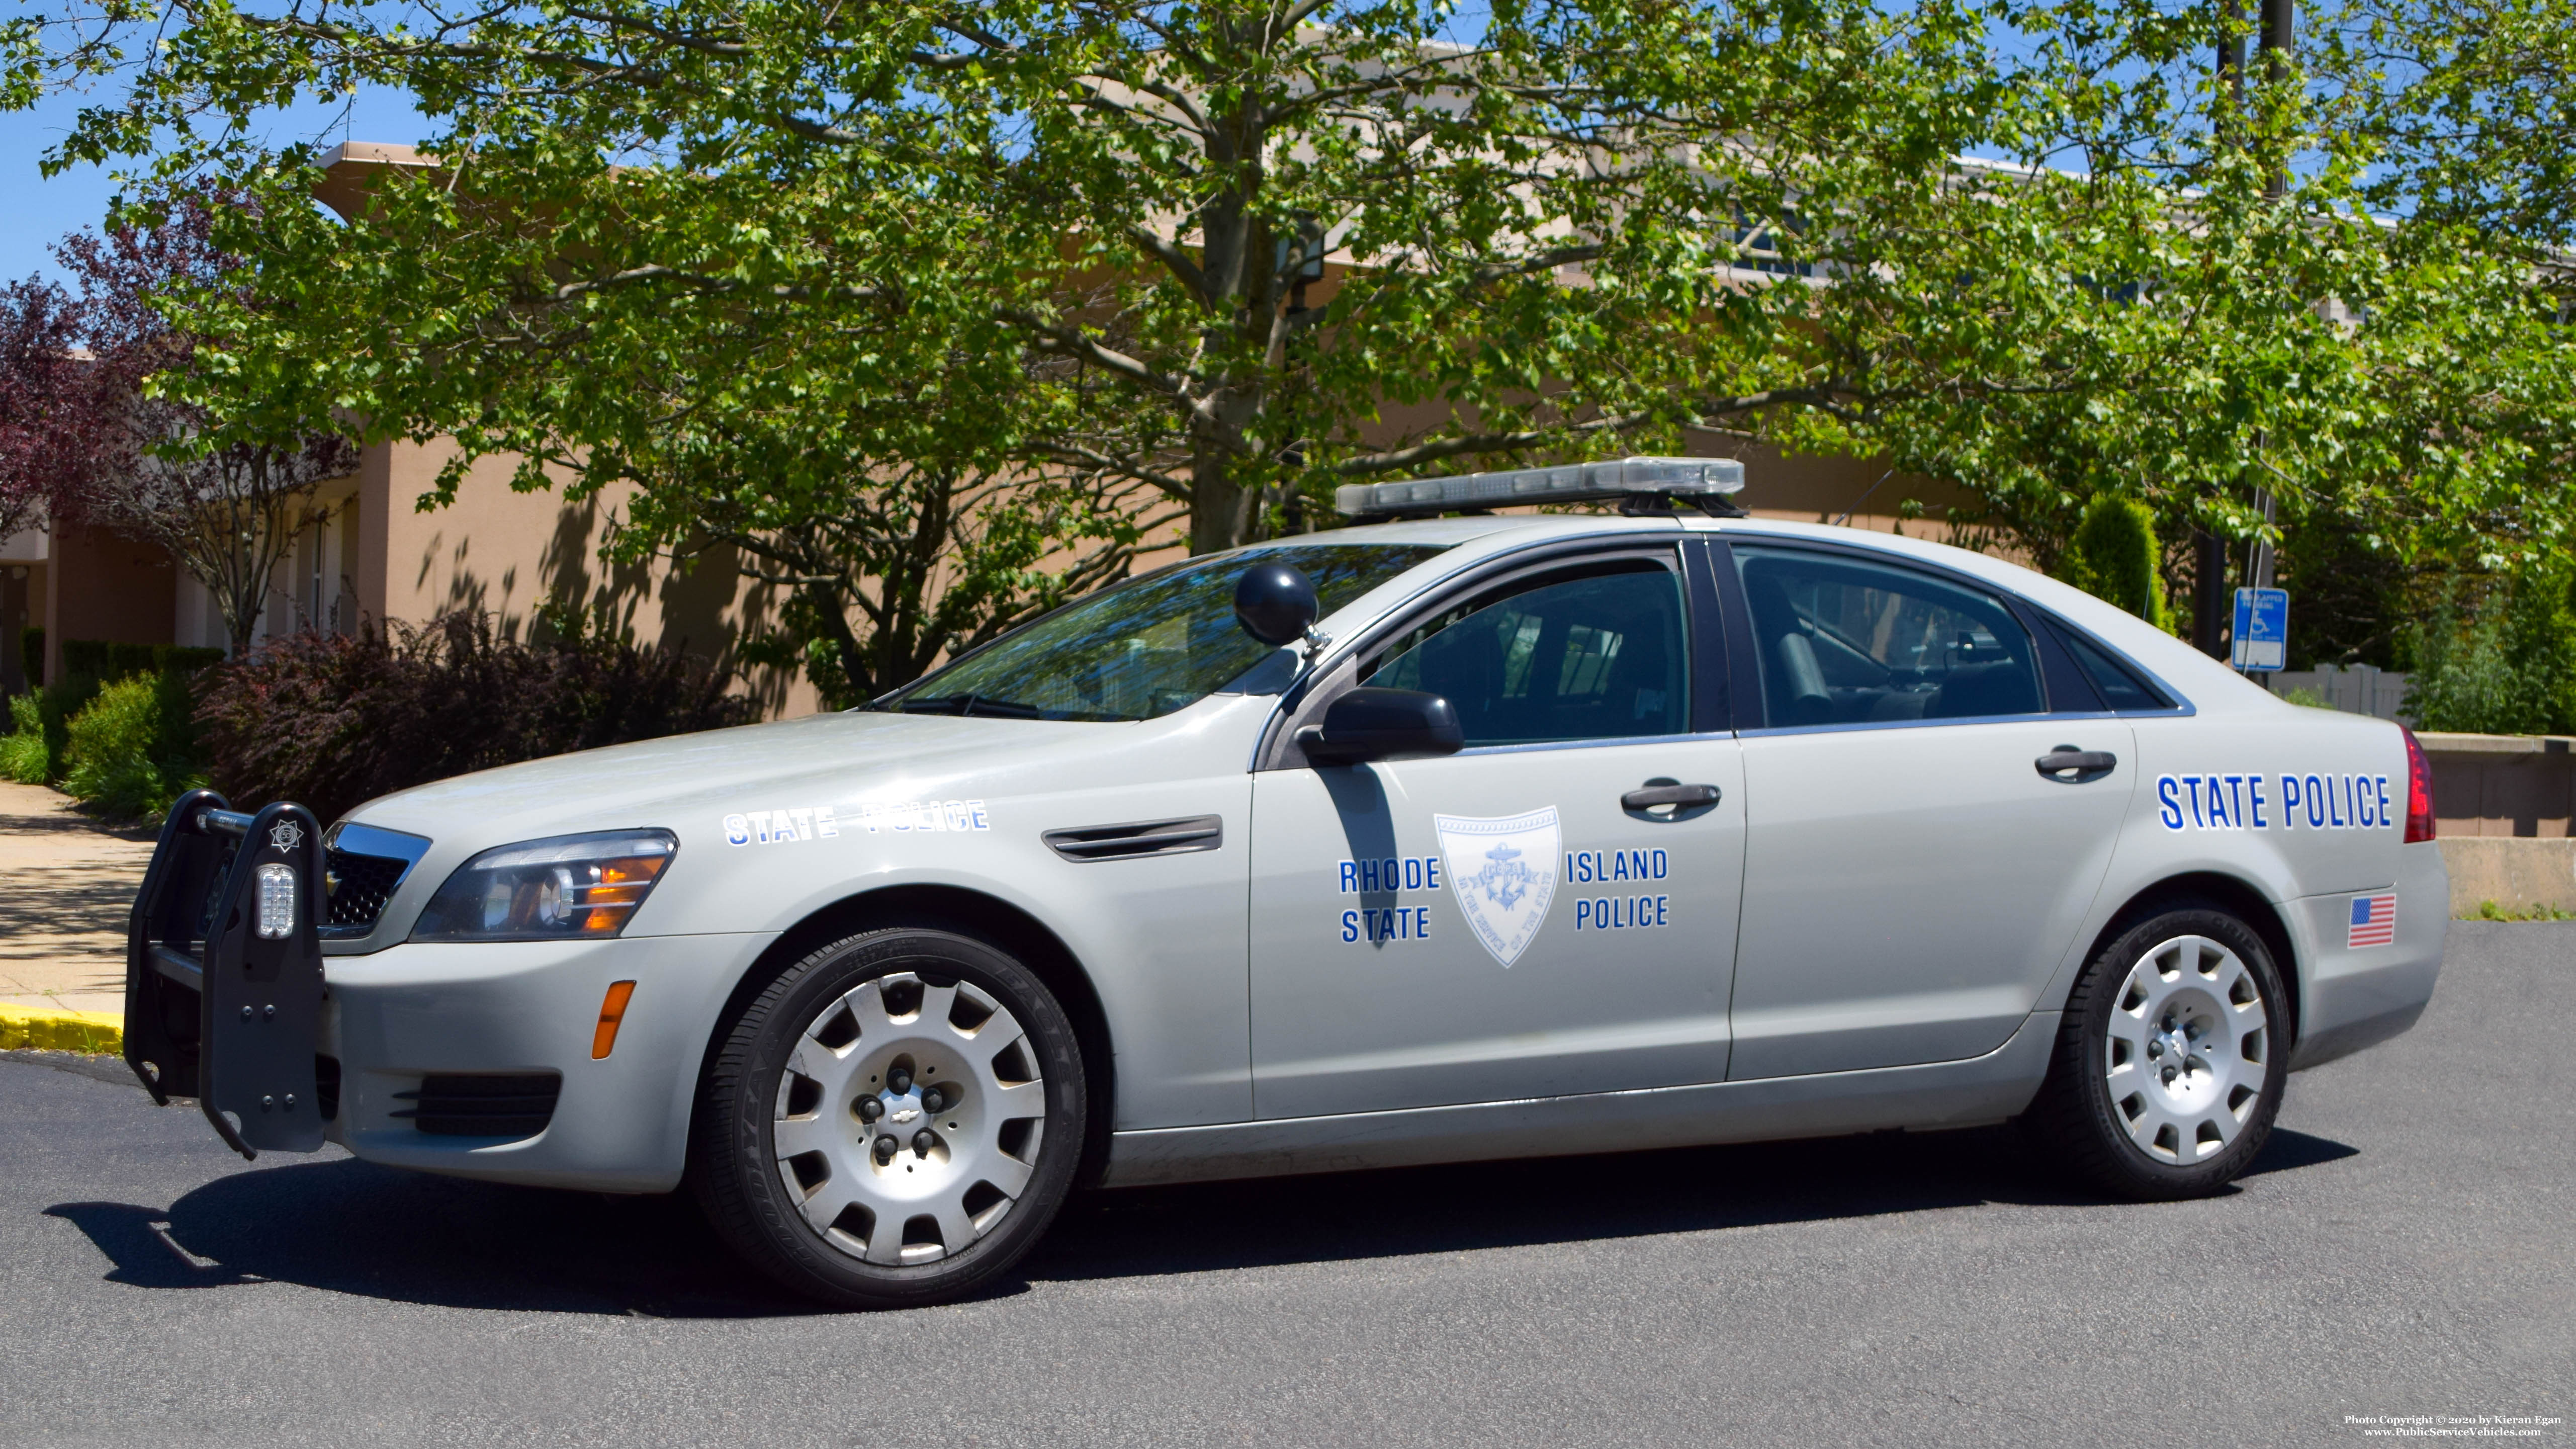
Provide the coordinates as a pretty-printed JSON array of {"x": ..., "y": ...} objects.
[{"x": 2490, "y": 911}]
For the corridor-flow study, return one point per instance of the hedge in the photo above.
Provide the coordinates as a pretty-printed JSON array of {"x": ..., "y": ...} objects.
[{"x": 333, "y": 720}]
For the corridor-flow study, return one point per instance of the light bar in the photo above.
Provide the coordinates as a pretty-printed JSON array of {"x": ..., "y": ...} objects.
[{"x": 1572, "y": 483}]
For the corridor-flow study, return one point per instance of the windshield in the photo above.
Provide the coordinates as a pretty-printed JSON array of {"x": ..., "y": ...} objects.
[{"x": 1146, "y": 647}]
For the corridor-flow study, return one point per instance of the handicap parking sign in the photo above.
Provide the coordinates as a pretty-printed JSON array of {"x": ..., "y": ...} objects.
[{"x": 2262, "y": 629}]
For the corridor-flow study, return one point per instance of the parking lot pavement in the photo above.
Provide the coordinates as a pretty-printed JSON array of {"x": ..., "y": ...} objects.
[
  {"x": 2406, "y": 1246},
  {"x": 69, "y": 882}
]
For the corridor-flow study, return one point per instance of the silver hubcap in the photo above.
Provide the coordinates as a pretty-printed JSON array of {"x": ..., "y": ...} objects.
[
  {"x": 909, "y": 1119},
  {"x": 2188, "y": 1048}
]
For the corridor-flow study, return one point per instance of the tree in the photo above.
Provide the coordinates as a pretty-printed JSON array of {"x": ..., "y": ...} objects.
[
  {"x": 2471, "y": 103},
  {"x": 1576, "y": 229},
  {"x": 2507, "y": 668},
  {"x": 1531, "y": 222},
  {"x": 2116, "y": 555},
  {"x": 47, "y": 433},
  {"x": 226, "y": 502}
]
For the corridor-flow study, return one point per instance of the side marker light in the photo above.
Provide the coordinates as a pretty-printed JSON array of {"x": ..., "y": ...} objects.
[{"x": 612, "y": 1012}]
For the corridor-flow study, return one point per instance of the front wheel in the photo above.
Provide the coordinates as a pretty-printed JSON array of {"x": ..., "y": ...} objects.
[
  {"x": 893, "y": 1121},
  {"x": 2171, "y": 1058}
]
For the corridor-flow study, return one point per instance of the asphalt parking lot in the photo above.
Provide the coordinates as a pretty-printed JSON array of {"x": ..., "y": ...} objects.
[{"x": 2406, "y": 1246}]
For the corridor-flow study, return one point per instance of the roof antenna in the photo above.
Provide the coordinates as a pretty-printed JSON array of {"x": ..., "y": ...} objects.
[{"x": 1864, "y": 496}]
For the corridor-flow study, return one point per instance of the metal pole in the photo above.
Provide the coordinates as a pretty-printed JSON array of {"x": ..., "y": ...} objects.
[
  {"x": 2209, "y": 553},
  {"x": 2209, "y": 593},
  {"x": 2280, "y": 20}
]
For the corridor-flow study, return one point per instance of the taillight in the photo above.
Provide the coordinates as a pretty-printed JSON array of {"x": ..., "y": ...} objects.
[{"x": 2419, "y": 790}]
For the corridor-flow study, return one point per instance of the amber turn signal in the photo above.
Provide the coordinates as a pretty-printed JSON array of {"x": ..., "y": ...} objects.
[{"x": 612, "y": 1011}]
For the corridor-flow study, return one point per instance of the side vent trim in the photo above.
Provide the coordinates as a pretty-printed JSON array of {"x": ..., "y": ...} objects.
[{"x": 1138, "y": 838}]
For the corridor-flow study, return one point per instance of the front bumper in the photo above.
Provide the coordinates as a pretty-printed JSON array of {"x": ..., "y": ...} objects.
[{"x": 619, "y": 1124}]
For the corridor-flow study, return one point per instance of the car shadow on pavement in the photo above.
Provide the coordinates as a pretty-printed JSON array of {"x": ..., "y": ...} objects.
[
  {"x": 377, "y": 1232},
  {"x": 1529, "y": 1202}
]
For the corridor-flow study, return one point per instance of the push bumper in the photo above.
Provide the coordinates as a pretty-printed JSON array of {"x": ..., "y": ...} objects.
[
  {"x": 223, "y": 972},
  {"x": 478, "y": 1059}
]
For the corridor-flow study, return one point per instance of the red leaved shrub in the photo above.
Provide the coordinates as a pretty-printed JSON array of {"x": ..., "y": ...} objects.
[{"x": 332, "y": 720}]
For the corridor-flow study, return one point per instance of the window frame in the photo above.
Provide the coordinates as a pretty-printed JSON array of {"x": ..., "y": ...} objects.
[
  {"x": 2064, "y": 688},
  {"x": 1558, "y": 560},
  {"x": 2060, "y": 629}
]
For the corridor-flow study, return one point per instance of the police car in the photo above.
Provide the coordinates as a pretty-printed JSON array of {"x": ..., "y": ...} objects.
[{"x": 1452, "y": 836}]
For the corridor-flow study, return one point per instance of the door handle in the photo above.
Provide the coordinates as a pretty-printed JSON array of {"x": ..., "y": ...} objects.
[
  {"x": 2069, "y": 765},
  {"x": 1665, "y": 792}
]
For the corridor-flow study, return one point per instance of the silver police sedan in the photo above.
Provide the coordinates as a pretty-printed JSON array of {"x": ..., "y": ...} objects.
[{"x": 1440, "y": 838}]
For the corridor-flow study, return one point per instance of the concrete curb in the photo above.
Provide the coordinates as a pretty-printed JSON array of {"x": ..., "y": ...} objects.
[{"x": 99, "y": 1033}]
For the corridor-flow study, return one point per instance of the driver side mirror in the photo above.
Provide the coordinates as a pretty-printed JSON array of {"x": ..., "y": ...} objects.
[
  {"x": 1383, "y": 724},
  {"x": 1275, "y": 603}
]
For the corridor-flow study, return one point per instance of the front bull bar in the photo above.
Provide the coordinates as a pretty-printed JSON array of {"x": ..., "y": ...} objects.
[{"x": 223, "y": 988}]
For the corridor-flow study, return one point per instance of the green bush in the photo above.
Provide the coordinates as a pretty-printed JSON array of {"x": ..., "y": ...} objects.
[
  {"x": 2114, "y": 556},
  {"x": 23, "y": 756},
  {"x": 130, "y": 750},
  {"x": 333, "y": 720},
  {"x": 105, "y": 659},
  {"x": 50, "y": 712},
  {"x": 2503, "y": 665},
  {"x": 131, "y": 755}
]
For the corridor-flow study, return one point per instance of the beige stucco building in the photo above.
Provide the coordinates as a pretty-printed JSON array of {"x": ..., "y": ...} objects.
[{"x": 376, "y": 556}]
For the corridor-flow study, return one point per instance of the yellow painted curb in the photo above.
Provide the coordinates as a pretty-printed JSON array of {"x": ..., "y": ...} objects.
[{"x": 52, "y": 1029}]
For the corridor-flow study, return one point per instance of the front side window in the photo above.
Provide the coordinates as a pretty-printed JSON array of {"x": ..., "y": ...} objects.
[
  {"x": 1842, "y": 641},
  {"x": 1597, "y": 656},
  {"x": 1146, "y": 647}
]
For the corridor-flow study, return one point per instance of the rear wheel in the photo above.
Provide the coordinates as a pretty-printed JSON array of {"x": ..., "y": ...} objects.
[
  {"x": 893, "y": 1121},
  {"x": 2171, "y": 1057}
]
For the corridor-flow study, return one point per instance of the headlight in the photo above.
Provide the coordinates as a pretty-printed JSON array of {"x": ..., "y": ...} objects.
[{"x": 568, "y": 887}]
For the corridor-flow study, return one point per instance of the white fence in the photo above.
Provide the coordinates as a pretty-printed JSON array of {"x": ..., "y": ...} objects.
[{"x": 2358, "y": 689}]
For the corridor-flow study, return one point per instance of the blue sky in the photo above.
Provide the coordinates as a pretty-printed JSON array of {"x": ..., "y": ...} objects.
[{"x": 37, "y": 212}]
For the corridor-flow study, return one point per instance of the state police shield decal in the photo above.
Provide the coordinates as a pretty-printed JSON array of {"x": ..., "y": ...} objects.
[{"x": 1504, "y": 873}]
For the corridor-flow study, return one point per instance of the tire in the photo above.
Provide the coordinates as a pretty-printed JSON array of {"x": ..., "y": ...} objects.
[
  {"x": 2171, "y": 1058},
  {"x": 936, "y": 1045}
]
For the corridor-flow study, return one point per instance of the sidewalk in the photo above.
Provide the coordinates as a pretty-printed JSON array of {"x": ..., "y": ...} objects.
[{"x": 66, "y": 882}]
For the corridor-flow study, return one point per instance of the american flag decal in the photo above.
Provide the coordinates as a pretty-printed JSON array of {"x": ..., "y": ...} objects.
[{"x": 2374, "y": 921}]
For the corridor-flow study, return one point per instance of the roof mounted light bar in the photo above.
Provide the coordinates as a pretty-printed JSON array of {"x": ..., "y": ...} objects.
[{"x": 1644, "y": 484}]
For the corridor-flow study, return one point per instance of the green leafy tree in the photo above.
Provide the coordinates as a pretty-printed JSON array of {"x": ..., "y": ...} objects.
[
  {"x": 1528, "y": 227},
  {"x": 783, "y": 264},
  {"x": 2470, "y": 103},
  {"x": 2499, "y": 659}
]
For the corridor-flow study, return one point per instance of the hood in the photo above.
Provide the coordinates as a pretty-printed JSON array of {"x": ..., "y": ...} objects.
[{"x": 648, "y": 782}]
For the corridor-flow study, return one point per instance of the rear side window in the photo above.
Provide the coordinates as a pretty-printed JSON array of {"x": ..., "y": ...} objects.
[
  {"x": 1843, "y": 641},
  {"x": 2122, "y": 688}
]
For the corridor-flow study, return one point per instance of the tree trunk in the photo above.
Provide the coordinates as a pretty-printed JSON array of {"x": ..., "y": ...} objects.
[
  {"x": 832, "y": 612},
  {"x": 1216, "y": 502}
]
